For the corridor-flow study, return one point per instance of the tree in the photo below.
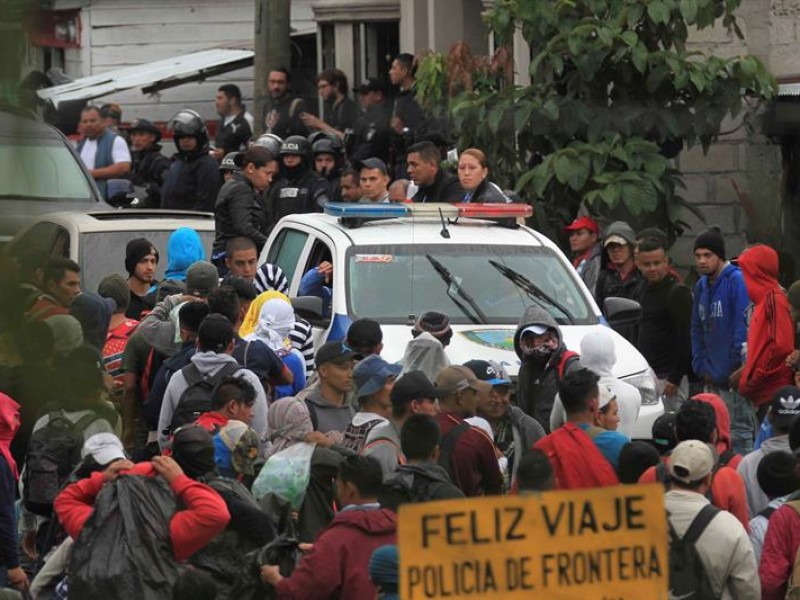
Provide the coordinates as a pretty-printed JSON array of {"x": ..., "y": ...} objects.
[{"x": 615, "y": 95}]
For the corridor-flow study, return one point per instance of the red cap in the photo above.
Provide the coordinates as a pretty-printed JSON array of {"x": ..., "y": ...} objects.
[{"x": 583, "y": 223}]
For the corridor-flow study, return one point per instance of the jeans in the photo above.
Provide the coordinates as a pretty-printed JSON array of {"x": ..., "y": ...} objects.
[{"x": 743, "y": 419}]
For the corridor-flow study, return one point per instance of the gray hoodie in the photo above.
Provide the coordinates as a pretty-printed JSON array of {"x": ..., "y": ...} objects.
[
  {"x": 208, "y": 363},
  {"x": 538, "y": 379},
  {"x": 326, "y": 416}
]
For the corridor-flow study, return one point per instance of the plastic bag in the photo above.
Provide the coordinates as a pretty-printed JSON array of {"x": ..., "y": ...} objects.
[
  {"x": 282, "y": 551},
  {"x": 286, "y": 474},
  {"x": 124, "y": 549}
]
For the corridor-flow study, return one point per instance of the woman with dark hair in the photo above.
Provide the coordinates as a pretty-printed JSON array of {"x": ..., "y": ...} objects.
[
  {"x": 473, "y": 173},
  {"x": 239, "y": 210}
]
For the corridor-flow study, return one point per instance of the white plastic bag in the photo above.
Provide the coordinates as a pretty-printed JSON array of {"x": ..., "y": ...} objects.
[{"x": 286, "y": 474}]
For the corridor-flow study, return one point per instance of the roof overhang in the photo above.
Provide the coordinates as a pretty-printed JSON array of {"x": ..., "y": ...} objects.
[{"x": 152, "y": 77}]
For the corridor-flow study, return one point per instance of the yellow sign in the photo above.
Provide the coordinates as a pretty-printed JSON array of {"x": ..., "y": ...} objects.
[{"x": 602, "y": 543}]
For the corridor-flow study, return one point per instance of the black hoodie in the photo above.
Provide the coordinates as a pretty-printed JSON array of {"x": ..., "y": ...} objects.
[
  {"x": 420, "y": 482},
  {"x": 538, "y": 379}
]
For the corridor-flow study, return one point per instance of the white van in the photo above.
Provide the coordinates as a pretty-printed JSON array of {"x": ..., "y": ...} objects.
[{"x": 393, "y": 262}]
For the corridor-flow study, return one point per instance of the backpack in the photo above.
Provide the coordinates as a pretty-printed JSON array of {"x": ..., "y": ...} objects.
[
  {"x": 196, "y": 398},
  {"x": 446, "y": 447},
  {"x": 793, "y": 587},
  {"x": 687, "y": 576},
  {"x": 53, "y": 452},
  {"x": 566, "y": 357}
]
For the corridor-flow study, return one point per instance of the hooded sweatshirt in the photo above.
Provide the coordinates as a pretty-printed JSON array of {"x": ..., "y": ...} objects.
[
  {"x": 538, "y": 377},
  {"x": 327, "y": 417},
  {"x": 770, "y": 338},
  {"x": 597, "y": 355},
  {"x": 208, "y": 363},
  {"x": 94, "y": 315},
  {"x": 420, "y": 482},
  {"x": 337, "y": 567},
  {"x": 719, "y": 326},
  {"x": 184, "y": 248},
  {"x": 723, "y": 446}
]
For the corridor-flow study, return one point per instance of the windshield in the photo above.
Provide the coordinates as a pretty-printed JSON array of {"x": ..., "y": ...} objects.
[
  {"x": 41, "y": 170},
  {"x": 103, "y": 254},
  {"x": 470, "y": 283}
]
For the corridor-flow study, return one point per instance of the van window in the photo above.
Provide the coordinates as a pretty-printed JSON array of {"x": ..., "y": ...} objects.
[{"x": 286, "y": 250}]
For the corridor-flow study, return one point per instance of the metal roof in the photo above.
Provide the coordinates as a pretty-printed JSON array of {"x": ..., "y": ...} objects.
[{"x": 152, "y": 77}]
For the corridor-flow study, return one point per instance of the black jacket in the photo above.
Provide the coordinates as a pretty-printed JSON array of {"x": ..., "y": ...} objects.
[
  {"x": 664, "y": 331},
  {"x": 235, "y": 135},
  {"x": 192, "y": 182},
  {"x": 610, "y": 284},
  {"x": 288, "y": 110},
  {"x": 487, "y": 193},
  {"x": 420, "y": 482},
  {"x": 341, "y": 116},
  {"x": 370, "y": 136},
  {"x": 306, "y": 193},
  {"x": 148, "y": 169},
  {"x": 239, "y": 211},
  {"x": 538, "y": 378},
  {"x": 445, "y": 188}
]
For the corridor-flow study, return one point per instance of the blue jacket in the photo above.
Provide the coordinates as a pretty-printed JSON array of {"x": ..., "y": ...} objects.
[
  {"x": 719, "y": 326},
  {"x": 313, "y": 284}
]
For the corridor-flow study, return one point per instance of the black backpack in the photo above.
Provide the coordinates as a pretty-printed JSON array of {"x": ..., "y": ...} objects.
[
  {"x": 196, "y": 398},
  {"x": 687, "y": 576},
  {"x": 53, "y": 452}
]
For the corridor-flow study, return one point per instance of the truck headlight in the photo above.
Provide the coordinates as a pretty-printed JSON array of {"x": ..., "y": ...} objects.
[{"x": 647, "y": 384}]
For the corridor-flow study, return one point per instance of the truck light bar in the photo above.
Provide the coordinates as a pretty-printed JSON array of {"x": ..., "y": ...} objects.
[{"x": 357, "y": 210}]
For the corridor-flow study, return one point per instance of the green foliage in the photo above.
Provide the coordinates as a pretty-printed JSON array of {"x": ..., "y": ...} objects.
[{"x": 614, "y": 93}]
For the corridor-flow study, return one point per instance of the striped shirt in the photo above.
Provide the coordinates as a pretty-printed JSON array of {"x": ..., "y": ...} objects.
[{"x": 302, "y": 338}]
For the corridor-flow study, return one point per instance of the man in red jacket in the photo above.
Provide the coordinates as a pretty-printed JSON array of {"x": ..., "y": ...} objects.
[
  {"x": 337, "y": 564},
  {"x": 204, "y": 516},
  {"x": 770, "y": 336}
]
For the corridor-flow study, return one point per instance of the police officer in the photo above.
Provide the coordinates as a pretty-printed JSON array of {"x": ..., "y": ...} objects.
[
  {"x": 228, "y": 166},
  {"x": 193, "y": 180},
  {"x": 328, "y": 160},
  {"x": 370, "y": 138},
  {"x": 270, "y": 141},
  {"x": 148, "y": 166},
  {"x": 299, "y": 190}
]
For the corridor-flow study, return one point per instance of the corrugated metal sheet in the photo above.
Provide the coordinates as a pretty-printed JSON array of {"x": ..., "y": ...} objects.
[
  {"x": 152, "y": 77},
  {"x": 789, "y": 89}
]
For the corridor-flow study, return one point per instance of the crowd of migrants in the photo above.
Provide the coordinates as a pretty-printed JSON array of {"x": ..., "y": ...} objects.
[{"x": 184, "y": 439}]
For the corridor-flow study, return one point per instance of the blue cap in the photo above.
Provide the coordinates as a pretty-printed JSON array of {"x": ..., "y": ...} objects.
[{"x": 370, "y": 375}]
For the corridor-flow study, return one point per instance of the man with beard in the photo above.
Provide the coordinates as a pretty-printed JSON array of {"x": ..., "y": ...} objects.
[
  {"x": 149, "y": 166},
  {"x": 282, "y": 110},
  {"x": 141, "y": 261},
  {"x": 235, "y": 127},
  {"x": 193, "y": 180},
  {"x": 299, "y": 190},
  {"x": 340, "y": 112}
]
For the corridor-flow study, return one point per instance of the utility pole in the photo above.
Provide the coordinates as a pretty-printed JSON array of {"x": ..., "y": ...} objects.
[{"x": 272, "y": 49}]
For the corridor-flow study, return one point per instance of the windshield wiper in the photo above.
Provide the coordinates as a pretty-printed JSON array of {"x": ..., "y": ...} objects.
[
  {"x": 531, "y": 288},
  {"x": 477, "y": 316}
]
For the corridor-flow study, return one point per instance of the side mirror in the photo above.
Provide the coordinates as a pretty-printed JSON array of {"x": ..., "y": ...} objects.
[
  {"x": 310, "y": 309},
  {"x": 621, "y": 312}
]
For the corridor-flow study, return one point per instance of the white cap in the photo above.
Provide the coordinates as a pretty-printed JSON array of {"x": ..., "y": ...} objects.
[
  {"x": 104, "y": 448},
  {"x": 690, "y": 461},
  {"x": 535, "y": 329},
  {"x": 605, "y": 397}
]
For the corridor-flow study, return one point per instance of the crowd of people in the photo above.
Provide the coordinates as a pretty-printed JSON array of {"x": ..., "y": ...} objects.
[{"x": 200, "y": 446}]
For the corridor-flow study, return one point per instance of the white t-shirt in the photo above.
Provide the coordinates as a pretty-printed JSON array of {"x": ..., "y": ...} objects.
[{"x": 119, "y": 152}]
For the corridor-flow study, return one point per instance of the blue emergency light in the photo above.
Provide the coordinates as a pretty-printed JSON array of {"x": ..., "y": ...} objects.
[{"x": 357, "y": 210}]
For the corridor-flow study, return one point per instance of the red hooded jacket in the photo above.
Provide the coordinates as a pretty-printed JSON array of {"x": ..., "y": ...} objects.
[
  {"x": 338, "y": 565},
  {"x": 770, "y": 336},
  {"x": 723, "y": 445},
  {"x": 204, "y": 516},
  {"x": 780, "y": 548},
  {"x": 576, "y": 461}
]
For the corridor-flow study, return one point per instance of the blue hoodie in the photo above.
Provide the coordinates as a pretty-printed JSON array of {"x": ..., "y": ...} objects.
[
  {"x": 719, "y": 326},
  {"x": 183, "y": 249}
]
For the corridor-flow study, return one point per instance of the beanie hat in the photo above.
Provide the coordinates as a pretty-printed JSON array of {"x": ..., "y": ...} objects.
[
  {"x": 435, "y": 323},
  {"x": 135, "y": 251},
  {"x": 634, "y": 459},
  {"x": 711, "y": 239},
  {"x": 793, "y": 294},
  {"x": 777, "y": 474}
]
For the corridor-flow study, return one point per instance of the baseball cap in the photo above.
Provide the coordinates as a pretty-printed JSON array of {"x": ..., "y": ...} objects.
[
  {"x": 663, "y": 431},
  {"x": 785, "y": 407},
  {"x": 104, "y": 448},
  {"x": 534, "y": 329},
  {"x": 690, "y": 461},
  {"x": 364, "y": 334},
  {"x": 487, "y": 371},
  {"x": 334, "y": 352},
  {"x": 413, "y": 385},
  {"x": 372, "y": 84},
  {"x": 605, "y": 396},
  {"x": 614, "y": 239},
  {"x": 456, "y": 378},
  {"x": 371, "y": 163},
  {"x": 370, "y": 375},
  {"x": 215, "y": 333},
  {"x": 242, "y": 442},
  {"x": 583, "y": 223},
  {"x": 201, "y": 279}
]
